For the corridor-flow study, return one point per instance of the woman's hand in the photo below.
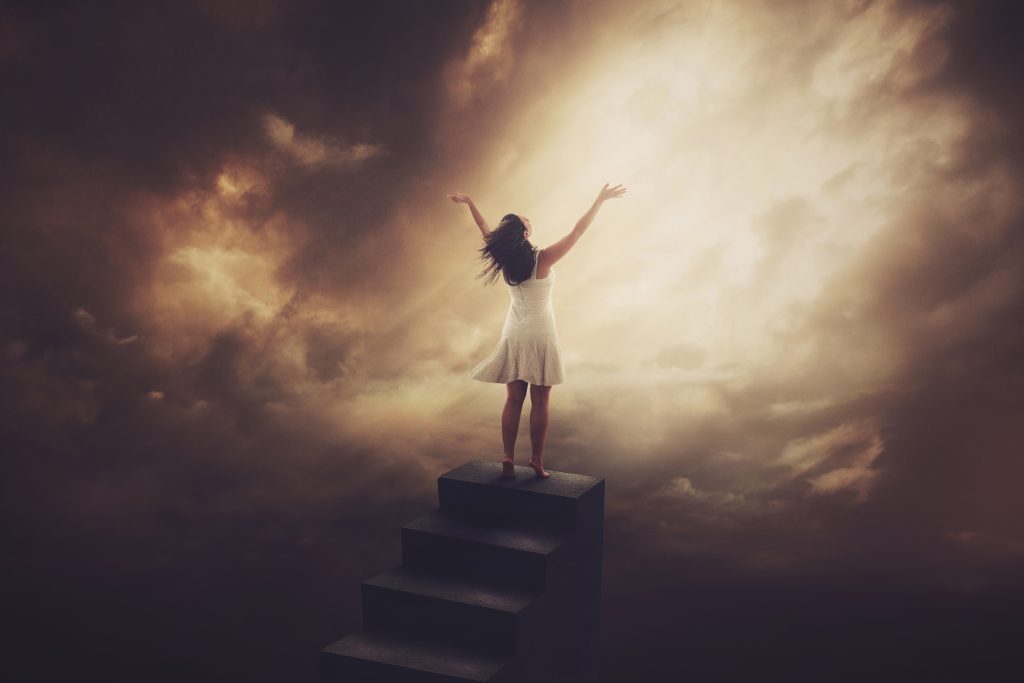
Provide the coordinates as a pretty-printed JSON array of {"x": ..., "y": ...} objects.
[
  {"x": 610, "y": 192},
  {"x": 460, "y": 198}
]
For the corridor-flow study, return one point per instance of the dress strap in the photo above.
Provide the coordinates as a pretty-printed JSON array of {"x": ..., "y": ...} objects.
[{"x": 536, "y": 260}]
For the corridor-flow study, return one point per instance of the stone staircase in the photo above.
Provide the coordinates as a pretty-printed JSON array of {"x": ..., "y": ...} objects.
[{"x": 501, "y": 583}]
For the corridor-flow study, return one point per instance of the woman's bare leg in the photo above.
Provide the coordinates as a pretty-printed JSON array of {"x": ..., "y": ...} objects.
[
  {"x": 539, "y": 395},
  {"x": 510, "y": 425}
]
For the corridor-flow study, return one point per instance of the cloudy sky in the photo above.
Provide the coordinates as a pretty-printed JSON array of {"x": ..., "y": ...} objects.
[{"x": 238, "y": 313}]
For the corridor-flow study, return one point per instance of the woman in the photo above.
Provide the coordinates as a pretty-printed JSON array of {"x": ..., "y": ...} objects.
[{"x": 528, "y": 351}]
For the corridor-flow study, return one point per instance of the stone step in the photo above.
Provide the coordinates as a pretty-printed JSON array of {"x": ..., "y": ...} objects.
[
  {"x": 470, "y": 612},
  {"x": 559, "y": 503},
  {"x": 443, "y": 543},
  {"x": 377, "y": 657}
]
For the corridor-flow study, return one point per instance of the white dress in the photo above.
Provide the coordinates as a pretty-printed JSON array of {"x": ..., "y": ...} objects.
[{"x": 528, "y": 348}]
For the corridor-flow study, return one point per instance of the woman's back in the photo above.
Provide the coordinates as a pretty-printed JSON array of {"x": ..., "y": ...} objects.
[{"x": 530, "y": 312}]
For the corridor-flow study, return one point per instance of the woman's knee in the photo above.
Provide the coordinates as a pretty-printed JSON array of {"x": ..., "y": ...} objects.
[{"x": 517, "y": 391}]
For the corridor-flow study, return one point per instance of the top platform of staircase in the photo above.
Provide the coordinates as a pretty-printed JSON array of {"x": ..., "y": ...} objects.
[{"x": 559, "y": 484}]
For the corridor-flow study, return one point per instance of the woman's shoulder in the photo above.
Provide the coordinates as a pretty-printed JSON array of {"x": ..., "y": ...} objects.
[{"x": 542, "y": 269}]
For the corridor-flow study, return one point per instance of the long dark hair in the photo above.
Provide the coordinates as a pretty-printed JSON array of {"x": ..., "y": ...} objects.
[{"x": 507, "y": 251}]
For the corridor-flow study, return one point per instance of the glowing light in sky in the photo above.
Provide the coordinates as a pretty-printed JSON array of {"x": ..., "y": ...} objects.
[{"x": 753, "y": 176}]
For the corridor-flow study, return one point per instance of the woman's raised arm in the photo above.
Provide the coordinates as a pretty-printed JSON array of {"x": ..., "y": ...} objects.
[
  {"x": 560, "y": 248},
  {"x": 460, "y": 198}
]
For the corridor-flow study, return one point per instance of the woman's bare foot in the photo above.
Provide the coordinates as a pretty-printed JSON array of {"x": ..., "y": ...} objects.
[
  {"x": 508, "y": 468},
  {"x": 538, "y": 467}
]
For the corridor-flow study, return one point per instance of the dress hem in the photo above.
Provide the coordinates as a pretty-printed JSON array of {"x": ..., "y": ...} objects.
[{"x": 525, "y": 379}]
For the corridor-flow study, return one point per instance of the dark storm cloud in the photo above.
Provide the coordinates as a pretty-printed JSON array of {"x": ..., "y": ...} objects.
[
  {"x": 126, "y": 471},
  {"x": 108, "y": 101}
]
